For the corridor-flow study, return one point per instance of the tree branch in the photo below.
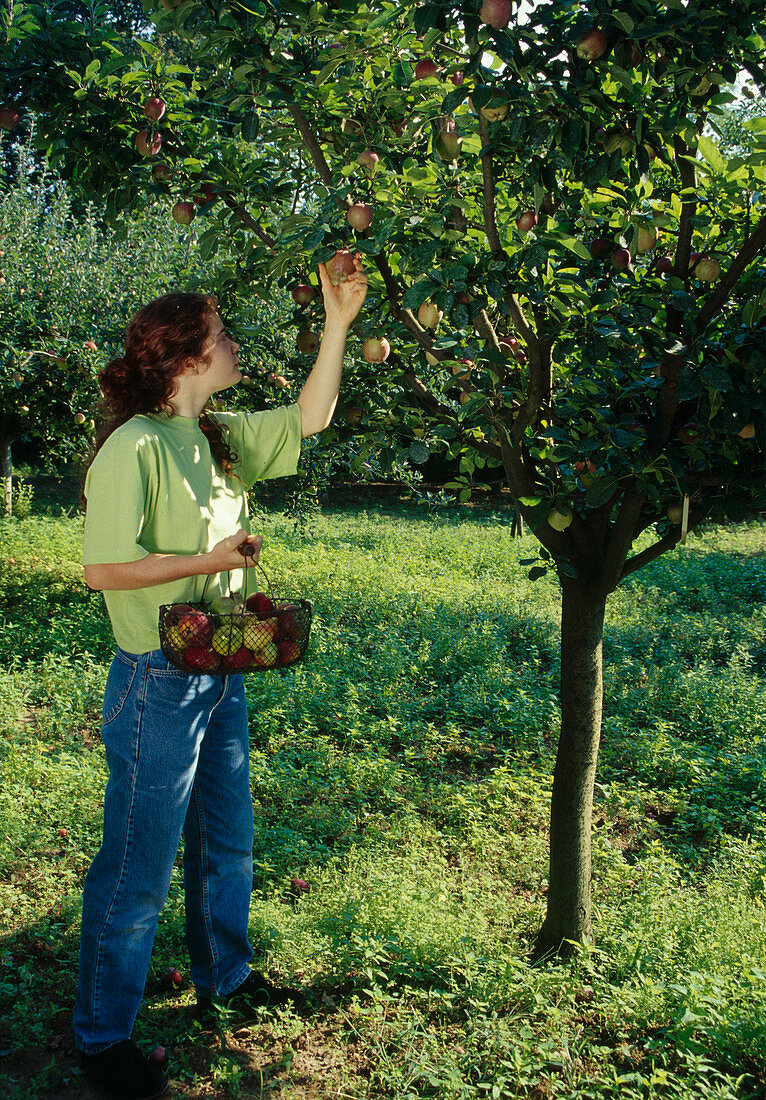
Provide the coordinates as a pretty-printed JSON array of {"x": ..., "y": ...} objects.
[
  {"x": 671, "y": 365},
  {"x": 651, "y": 553},
  {"x": 443, "y": 412},
  {"x": 621, "y": 538},
  {"x": 488, "y": 187},
  {"x": 754, "y": 244}
]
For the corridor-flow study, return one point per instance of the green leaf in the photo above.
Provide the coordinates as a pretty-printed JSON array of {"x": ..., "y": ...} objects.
[
  {"x": 710, "y": 152},
  {"x": 601, "y": 491}
]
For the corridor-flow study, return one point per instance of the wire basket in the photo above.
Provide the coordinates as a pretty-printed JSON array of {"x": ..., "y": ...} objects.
[{"x": 261, "y": 633}]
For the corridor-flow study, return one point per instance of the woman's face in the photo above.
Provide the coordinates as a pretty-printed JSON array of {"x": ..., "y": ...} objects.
[{"x": 222, "y": 356}]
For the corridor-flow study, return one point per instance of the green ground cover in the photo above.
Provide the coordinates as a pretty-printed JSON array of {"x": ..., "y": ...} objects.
[{"x": 404, "y": 771}]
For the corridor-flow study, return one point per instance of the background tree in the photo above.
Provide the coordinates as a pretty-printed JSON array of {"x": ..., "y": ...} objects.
[{"x": 568, "y": 269}]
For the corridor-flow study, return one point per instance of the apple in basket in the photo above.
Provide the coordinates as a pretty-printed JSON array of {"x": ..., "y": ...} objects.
[
  {"x": 228, "y": 638},
  {"x": 240, "y": 659},
  {"x": 289, "y": 651},
  {"x": 201, "y": 658},
  {"x": 289, "y": 622},
  {"x": 195, "y": 628},
  {"x": 265, "y": 650},
  {"x": 260, "y": 604}
]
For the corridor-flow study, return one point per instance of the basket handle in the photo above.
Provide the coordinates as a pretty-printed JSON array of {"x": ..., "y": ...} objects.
[{"x": 246, "y": 550}]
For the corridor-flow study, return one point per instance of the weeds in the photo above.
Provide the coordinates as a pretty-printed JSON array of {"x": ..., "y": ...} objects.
[{"x": 404, "y": 771}]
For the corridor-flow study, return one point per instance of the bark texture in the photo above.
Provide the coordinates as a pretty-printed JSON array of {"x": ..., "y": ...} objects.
[{"x": 568, "y": 916}]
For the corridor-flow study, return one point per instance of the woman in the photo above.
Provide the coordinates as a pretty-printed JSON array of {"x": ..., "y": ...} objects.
[{"x": 166, "y": 510}]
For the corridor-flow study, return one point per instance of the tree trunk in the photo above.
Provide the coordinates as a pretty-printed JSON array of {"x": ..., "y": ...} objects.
[
  {"x": 568, "y": 916},
  {"x": 6, "y": 472}
]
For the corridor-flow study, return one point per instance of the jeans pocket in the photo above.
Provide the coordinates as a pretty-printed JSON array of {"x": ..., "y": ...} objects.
[{"x": 119, "y": 681}]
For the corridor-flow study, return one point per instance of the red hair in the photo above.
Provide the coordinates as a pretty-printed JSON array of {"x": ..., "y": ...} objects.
[{"x": 162, "y": 339}]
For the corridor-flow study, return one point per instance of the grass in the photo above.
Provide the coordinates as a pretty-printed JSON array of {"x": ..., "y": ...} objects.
[{"x": 404, "y": 771}]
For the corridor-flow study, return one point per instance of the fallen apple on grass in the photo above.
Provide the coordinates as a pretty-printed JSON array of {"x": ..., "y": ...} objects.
[{"x": 172, "y": 978}]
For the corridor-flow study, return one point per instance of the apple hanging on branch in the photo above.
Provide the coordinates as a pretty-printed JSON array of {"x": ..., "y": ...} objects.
[
  {"x": 707, "y": 269},
  {"x": 369, "y": 160},
  {"x": 425, "y": 68},
  {"x": 496, "y": 13},
  {"x": 303, "y": 293},
  {"x": 429, "y": 314},
  {"x": 376, "y": 350},
  {"x": 307, "y": 342},
  {"x": 340, "y": 266},
  {"x": 148, "y": 143},
  {"x": 526, "y": 221},
  {"x": 8, "y": 118},
  {"x": 359, "y": 216},
  {"x": 592, "y": 45},
  {"x": 154, "y": 108},
  {"x": 184, "y": 213}
]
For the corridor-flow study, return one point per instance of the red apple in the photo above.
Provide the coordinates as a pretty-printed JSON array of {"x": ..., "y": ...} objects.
[
  {"x": 8, "y": 118},
  {"x": 184, "y": 213},
  {"x": 154, "y": 108},
  {"x": 592, "y": 45},
  {"x": 694, "y": 259},
  {"x": 340, "y": 266},
  {"x": 239, "y": 659},
  {"x": 277, "y": 380},
  {"x": 307, "y": 342},
  {"x": 457, "y": 78},
  {"x": 195, "y": 628},
  {"x": 496, "y": 13},
  {"x": 303, "y": 293},
  {"x": 600, "y": 245},
  {"x": 664, "y": 265},
  {"x": 205, "y": 195},
  {"x": 79, "y": 418},
  {"x": 162, "y": 173},
  {"x": 90, "y": 345},
  {"x": 369, "y": 160},
  {"x": 299, "y": 886},
  {"x": 260, "y": 604},
  {"x": 172, "y": 978},
  {"x": 159, "y": 1055},
  {"x": 148, "y": 143},
  {"x": 425, "y": 68},
  {"x": 287, "y": 621},
  {"x": 376, "y": 350},
  {"x": 526, "y": 221},
  {"x": 707, "y": 269},
  {"x": 359, "y": 216},
  {"x": 621, "y": 258},
  {"x": 202, "y": 658},
  {"x": 289, "y": 651},
  {"x": 63, "y": 832}
]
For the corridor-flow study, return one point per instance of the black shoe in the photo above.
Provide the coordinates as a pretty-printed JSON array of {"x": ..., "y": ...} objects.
[
  {"x": 123, "y": 1072},
  {"x": 255, "y": 992}
]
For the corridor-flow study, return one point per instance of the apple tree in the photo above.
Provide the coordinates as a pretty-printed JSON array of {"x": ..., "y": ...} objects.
[{"x": 567, "y": 264}]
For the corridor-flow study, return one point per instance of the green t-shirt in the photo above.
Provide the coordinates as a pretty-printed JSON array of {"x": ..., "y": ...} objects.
[{"x": 154, "y": 488}]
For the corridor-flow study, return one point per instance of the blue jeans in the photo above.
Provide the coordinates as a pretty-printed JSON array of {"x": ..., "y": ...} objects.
[{"x": 178, "y": 754}]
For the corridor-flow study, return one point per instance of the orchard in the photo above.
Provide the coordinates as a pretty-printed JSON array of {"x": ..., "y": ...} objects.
[{"x": 542, "y": 194}]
